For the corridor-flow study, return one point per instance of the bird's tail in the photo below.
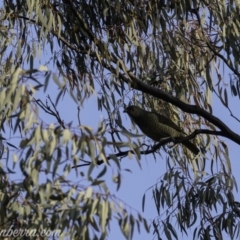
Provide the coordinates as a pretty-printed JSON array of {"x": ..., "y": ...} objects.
[{"x": 192, "y": 147}]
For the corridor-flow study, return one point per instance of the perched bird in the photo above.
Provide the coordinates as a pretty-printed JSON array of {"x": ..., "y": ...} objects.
[{"x": 157, "y": 126}]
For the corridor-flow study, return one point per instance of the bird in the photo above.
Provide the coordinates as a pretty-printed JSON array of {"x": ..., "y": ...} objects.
[{"x": 157, "y": 126}]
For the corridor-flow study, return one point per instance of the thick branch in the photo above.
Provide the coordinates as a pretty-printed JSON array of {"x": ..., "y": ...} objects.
[{"x": 160, "y": 94}]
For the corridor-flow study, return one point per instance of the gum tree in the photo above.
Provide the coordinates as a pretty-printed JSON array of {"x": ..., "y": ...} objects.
[{"x": 170, "y": 56}]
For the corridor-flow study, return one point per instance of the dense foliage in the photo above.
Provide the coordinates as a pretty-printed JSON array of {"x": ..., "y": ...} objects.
[{"x": 170, "y": 56}]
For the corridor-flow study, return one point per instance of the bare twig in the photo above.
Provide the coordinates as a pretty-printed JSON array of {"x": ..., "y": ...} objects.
[
  {"x": 158, "y": 145},
  {"x": 48, "y": 110}
]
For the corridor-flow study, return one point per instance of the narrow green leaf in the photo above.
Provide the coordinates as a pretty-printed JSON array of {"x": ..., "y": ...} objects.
[
  {"x": 9, "y": 144},
  {"x": 143, "y": 202},
  {"x": 104, "y": 170},
  {"x": 225, "y": 97}
]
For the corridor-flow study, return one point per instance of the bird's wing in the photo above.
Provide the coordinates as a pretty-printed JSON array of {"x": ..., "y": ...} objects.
[{"x": 164, "y": 120}]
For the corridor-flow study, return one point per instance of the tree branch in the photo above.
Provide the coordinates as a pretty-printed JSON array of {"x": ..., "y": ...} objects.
[
  {"x": 159, "y": 144},
  {"x": 160, "y": 94},
  {"x": 48, "y": 110}
]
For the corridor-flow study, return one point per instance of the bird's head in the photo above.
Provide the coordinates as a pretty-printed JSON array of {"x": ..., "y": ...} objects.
[{"x": 134, "y": 111}]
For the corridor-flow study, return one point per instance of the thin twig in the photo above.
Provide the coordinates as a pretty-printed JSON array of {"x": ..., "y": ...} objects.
[
  {"x": 48, "y": 110},
  {"x": 158, "y": 145}
]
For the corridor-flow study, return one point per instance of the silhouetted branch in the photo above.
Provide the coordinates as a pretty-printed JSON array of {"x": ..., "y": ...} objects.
[
  {"x": 48, "y": 110},
  {"x": 160, "y": 94},
  {"x": 158, "y": 145}
]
